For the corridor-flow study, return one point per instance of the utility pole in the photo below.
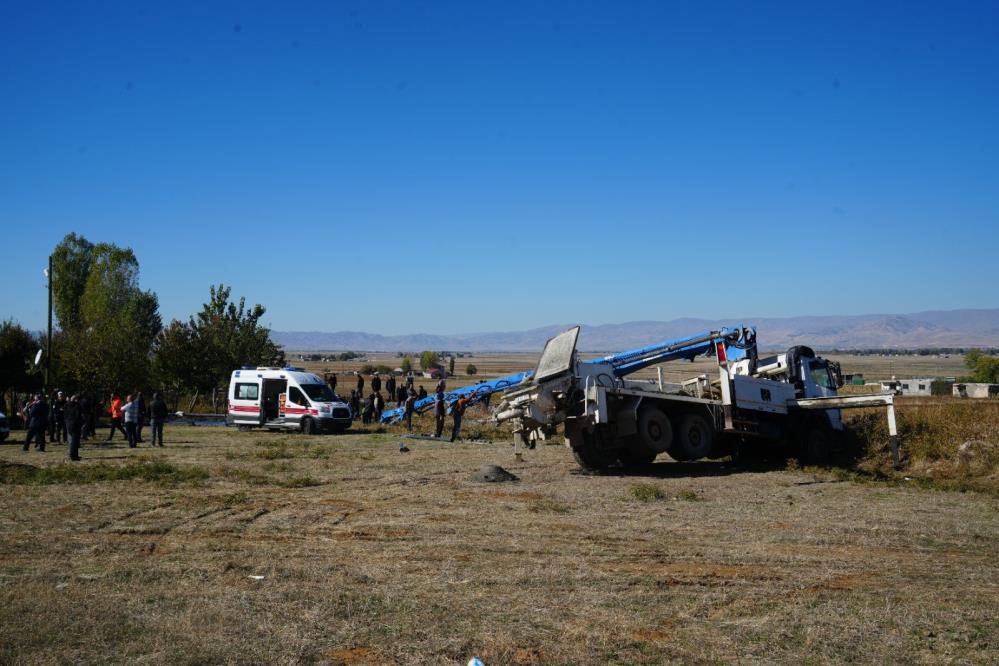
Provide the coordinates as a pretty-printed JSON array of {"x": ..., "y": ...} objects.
[{"x": 48, "y": 346}]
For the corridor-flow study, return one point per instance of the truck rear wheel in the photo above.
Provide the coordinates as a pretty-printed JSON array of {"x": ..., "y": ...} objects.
[
  {"x": 586, "y": 449},
  {"x": 695, "y": 440},
  {"x": 636, "y": 454},
  {"x": 654, "y": 431},
  {"x": 309, "y": 426}
]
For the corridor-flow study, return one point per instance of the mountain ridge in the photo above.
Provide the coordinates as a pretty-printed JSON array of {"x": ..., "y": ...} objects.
[{"x": 930, "y": 328}]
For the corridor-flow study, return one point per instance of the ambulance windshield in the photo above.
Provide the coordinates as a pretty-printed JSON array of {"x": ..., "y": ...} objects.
[{"x": 318, "y": 392}]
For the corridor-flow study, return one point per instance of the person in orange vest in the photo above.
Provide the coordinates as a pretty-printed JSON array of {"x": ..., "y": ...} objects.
[
  {"x": 116, "y": 416},
  {"x": 457, "y": 412}
]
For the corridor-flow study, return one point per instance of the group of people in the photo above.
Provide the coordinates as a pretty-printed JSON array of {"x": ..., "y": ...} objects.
[
  {"x": 73, "y": 419},
  {"x": 405, "y": 395}
]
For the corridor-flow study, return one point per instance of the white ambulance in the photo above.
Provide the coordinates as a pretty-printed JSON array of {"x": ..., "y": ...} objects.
[{"x": 284, "y": 399}]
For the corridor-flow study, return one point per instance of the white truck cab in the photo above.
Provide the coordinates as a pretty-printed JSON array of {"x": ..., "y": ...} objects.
[{"x": 284, "y": 399}]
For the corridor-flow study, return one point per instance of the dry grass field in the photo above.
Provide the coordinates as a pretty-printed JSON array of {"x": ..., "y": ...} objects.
[
  {"x": 230, "y": 547},
  {"x": 494, "y": 364}
]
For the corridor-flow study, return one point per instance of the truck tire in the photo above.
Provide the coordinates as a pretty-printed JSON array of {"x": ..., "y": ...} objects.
[
  {"x": 635, "y": 454},
  {"x": 309, "y": 426},
  {"x": 695, "y": 439},
  {"x": 655, "y": 431},
  {"x": 586, "y": 449}
]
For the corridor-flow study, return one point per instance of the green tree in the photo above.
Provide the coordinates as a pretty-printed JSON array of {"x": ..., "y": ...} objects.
[
  {"x": 407, "y": 364},
  {"x": 17, "y": 351},
  {"x": 227, "y": 336},
  {"x": 115, "y": 323},
  {"x": 71, "y": 261},
  {"x": 175, "y": 363},
  {"x": 471, "y": 370},
  {"x": 450, "y": 365},
  {"x": 428, "y": 359}
]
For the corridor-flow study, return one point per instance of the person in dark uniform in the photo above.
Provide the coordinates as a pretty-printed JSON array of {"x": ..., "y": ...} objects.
[
  {"x": 440, "y": 412},
  {"x": 410, "y": 406},
  {"x": 402, "y": 394},
  {"x": 390, "y": 388},
  {"x": 86, "y": 405},
  {"x": 376, "y": 383},
  {"x": 73, "y": 416},
  {"x": 58, "y": 410},
  {"x": 332, "y": 382},
  {"x": 360, "y": 384},
  {"x": 38, "y": 419},
  {"x": 157, "y": 417},
  {"x": 422, "y": 393}
]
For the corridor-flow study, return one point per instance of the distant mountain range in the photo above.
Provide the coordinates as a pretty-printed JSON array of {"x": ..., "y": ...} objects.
[{"x": 935, "y": 328}]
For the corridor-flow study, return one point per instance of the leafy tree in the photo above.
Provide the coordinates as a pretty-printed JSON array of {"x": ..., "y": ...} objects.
[
  {"x": 984, "y": 368},
  {"x": 367, "y": 369},
  {"x": 407, "y": 364},
  {"x": 227, "y": 336},
  {"x": 116, "y": 323},
  {"x": 17, "y": 351},
  {"x": 471, "y": 370},
  {"x": 175, "y": 360},
  {"x": 428, "y": 359},
  {"x": 450, "y": 365},
  {"x": 71, "y": 261}
]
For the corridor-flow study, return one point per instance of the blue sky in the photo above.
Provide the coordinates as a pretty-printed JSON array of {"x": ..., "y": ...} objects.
[{"x": 459, "y": 167}]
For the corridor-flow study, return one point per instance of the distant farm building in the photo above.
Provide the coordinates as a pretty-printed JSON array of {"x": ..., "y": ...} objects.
[
  {"x": 908, "y": 386},
  {"x": 976, "y": 390}
]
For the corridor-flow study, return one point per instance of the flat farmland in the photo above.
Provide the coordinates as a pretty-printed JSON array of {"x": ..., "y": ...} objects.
[
  {"x": 495, "y": 364},
  {"x": 230, "y": 547}
]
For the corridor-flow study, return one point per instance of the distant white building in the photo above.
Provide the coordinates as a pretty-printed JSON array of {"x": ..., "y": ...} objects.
[
  {"x": 976, "y": 390},
  {"x": 908, "y": 386}
]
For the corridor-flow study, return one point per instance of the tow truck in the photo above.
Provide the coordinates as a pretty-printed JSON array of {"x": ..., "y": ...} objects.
[{"x": 609, "y": 418}]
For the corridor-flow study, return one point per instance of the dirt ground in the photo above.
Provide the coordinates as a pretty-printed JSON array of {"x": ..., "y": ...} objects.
[{"x": 230, "y": 547}]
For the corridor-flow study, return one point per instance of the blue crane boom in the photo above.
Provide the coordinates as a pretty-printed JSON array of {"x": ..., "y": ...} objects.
[
  {"x": 688, "y": 348},
  {"x": 481, "y": 392}
]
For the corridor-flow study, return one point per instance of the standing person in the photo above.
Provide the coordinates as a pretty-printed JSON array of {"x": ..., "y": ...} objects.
[
  {"x": 74, "y": 418},
  {"x": 86, "y": 406},
  {"x": 410, "y": 405},
  {"x": 376, "y": 383},
  {"x": 131, "y": 413},
  {"x": 333, "y": 382},
  {"x": 116, "y": 416},
  {"x": 457, "y": 412},
  {"x": 441, "y": 384},
  {"x": 355, "y": 404},
  {"x": 58, "y": 411},
  {"x": 360, "y": 385},
  {"x": 379, "y": 405},
  {"x": 409, "y": 379},
  {"x": 422, "y": 393},
  {"x": 157, "y": 417},
  {"x": 142, "y": 417},
  {"x": 369, "y": 409},
  {"x": 390, "y": 388},
  {"x": 37, "y": 416},
  {"x": 440, "y": 412},
  {"x": 401, "y": 395}
]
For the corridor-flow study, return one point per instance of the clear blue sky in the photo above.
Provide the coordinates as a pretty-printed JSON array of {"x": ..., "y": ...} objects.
[{"x": 458, "y": 167}]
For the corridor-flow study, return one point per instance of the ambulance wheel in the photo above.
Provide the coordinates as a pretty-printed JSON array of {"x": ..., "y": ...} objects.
[
  {"x": 309, "y": 426},
  {"x": 244, "y": 428},
  {"x": 695, "y": 438}
]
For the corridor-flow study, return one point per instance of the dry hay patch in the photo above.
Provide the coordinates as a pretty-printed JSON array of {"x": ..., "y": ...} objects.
[{"x": 355, "y": 656}]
